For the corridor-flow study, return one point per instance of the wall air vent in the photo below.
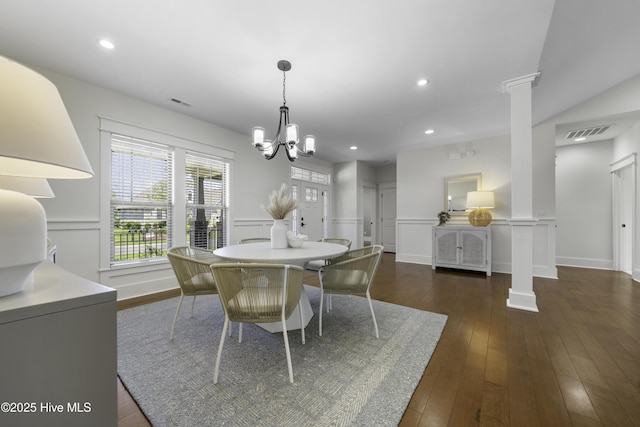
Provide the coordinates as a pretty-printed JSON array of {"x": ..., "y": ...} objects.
[
  {"x": 584, "y": 133},
  {"x": 178, "y": 101}
]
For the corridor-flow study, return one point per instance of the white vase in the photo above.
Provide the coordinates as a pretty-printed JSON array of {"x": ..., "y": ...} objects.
[{"x": 279, "y": 234}]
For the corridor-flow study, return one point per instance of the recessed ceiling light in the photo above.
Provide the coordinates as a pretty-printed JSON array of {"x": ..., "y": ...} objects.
[
  {"x": 429, "y": 131},
  {"x": 423, "y": 82},
  {"x": 353, "y": 147},
  {"x": 106, "y": 44},
  {"x": 580, "y": 139}
]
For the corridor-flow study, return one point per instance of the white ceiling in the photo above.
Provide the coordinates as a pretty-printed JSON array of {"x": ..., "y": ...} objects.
[{"x": 355, "y": 63}]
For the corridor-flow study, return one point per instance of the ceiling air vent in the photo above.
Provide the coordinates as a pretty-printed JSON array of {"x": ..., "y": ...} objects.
[
  {"x": 178, "y": 101},
  {"x": 583, "y": 133}
]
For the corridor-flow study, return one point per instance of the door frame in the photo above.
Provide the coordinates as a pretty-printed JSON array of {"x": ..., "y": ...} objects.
[
  {"x": 373, "y": 211},
  {"x": 380, "y": 219},
  {"x": 616, "y": 191}
]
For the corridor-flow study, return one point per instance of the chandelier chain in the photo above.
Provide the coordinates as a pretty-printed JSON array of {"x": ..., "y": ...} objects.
[{"x": 284, "y": 96}]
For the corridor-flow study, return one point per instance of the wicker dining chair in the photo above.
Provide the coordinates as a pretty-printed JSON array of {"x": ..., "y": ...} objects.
[
  {"x": 337, "y": 240},
  {"x": 316, "y": 264},
  {"x": 351, "y": 276},
  {"x": 258, "y": 293},
  {"x": 355, "y": 253},
  {"x": 191, "y": 267}
]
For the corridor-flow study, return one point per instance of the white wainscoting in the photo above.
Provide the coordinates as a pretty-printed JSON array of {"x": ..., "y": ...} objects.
[
  {"x": 78, "y": 251},
  {"x": 147, "y": 278},
  {"x": 348, "y": 228},
  {"x": 413, "y": 240},
  {"x": 247, "y": 228},
  {"x": 415, "y": 246},
  {"x": 78, "y": 246},
  {"x": 602, "y": 264}
]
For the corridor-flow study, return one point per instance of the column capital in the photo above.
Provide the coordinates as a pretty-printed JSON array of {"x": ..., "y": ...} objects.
[{"x": 508, "y": 84}]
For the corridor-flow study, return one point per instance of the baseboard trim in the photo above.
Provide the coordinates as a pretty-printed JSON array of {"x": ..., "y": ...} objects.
[{"x": 147, "y": 299}]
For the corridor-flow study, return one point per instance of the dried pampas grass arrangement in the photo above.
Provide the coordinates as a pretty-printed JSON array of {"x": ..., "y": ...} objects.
[{"x": 281, "y": 203}]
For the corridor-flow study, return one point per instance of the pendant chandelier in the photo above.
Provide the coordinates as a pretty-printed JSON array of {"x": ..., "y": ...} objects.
[{"x": 290, "y": 140}]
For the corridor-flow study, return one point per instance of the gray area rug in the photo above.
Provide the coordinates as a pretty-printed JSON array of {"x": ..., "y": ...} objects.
[{"x": 347, "y": 377}]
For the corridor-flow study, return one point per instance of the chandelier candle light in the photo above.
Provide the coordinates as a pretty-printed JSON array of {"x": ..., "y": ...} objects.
[{"x": 290, "y": 140}]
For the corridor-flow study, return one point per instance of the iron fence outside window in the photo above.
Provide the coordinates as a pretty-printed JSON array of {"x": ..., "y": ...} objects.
[{"x": 147, "y": 243}]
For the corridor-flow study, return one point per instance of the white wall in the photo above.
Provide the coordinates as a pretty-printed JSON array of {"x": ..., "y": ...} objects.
[
  {"x": 583, "y": 192},
  {"x": 420, "y": 188},
  {"x": 349, "y": 181},
  {"x": 345, "y": 221},
  {"x": 74, "y": 215},
  {"x": 386, "y": 173}
]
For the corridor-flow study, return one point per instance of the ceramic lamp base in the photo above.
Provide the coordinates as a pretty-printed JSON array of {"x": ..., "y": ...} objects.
[
  {"x": 23, "y": 239},
  {"x": 480, "y": 217}
]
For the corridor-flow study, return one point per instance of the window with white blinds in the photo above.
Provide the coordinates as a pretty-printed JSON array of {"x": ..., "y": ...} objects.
[
  {"x": 206, "y": 200},
  {"x": 141, "y": 199}
]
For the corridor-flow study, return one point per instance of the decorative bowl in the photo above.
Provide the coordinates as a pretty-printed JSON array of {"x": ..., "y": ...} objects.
[{"x": 296, "y": 241}]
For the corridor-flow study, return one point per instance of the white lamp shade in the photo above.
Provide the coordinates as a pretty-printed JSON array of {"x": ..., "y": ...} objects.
[
  {"x": 258, "y": 136},
  {"x": 310, "y": 144},
  {"x": 480, "y": 199},
  {"x": 293, "y": 151},
  {"x": 37, "y": 137},
  {"x": 267, "y": 148},
  {"x": 34, "y": 187},
  {"x": 292, "y": 133}
]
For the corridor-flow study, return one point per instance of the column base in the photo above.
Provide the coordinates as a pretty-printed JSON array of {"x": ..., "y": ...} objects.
[{"x": 522, "y": 301}]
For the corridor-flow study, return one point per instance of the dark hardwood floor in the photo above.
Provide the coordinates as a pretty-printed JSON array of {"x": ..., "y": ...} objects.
[{"x": 575, "y": 363}]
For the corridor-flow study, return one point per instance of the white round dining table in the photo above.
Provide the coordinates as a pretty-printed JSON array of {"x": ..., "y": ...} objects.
[{"x": 262, "y": 252}]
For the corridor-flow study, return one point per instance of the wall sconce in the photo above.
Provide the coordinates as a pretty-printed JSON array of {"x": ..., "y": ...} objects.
[{"x": 457, "y": 155}]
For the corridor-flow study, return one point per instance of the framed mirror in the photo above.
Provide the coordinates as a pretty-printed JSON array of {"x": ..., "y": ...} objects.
[{"x": 456, "y": 189}]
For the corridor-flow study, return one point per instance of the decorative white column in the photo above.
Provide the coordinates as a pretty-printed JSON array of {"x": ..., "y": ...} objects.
[{"x": 521, "y": 294}]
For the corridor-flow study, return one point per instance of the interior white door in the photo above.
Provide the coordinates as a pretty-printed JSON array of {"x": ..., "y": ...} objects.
[
  {"x": 369, "y": 216},
  {"x": 388, "y": 218}
]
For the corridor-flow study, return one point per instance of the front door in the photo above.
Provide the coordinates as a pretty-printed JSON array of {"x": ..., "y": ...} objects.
[{"x": 309, "y": 218}]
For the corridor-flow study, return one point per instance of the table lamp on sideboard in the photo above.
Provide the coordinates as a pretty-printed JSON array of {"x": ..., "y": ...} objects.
[
  {"x": 480, "y": 202},
  {"x": 37, "y": 140}
]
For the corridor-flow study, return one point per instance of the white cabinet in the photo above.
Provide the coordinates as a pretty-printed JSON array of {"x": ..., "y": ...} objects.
[
  {"x": 59, "y": 352},
  {"x": 467, "y": 248}
]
